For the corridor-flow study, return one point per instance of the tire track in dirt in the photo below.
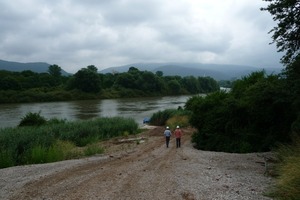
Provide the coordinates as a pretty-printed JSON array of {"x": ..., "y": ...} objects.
[
  {"x": 145, "y": 171},
  {"x": 111, "y": 177}
]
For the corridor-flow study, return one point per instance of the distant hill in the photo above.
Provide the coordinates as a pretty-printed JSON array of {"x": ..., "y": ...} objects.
[
  {"x": 216, "y": 71},
  {"x": 38, "y": 67}
]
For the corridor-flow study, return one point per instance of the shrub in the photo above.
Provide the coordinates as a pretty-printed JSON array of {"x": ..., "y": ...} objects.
[
  {"x": 177, "y": 120},
  {"x": 32, "y": 119},
  {"x": 255, "y": 116},
  {"x": 160, "y": 118}
]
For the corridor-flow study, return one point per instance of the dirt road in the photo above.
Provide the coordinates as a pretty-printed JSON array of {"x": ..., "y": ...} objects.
[{"x": 147, "y": 170}]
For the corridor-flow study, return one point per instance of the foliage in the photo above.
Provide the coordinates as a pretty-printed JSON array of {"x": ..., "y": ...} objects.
[
  {"x": 93, "y": 149},
  {"x": 254, "y": 116},
  {"x": 287, "y": 185},
  {"x": 178, "y": 120},
  {"x": 54, "y": 70},
  {"x": 32, "y": 119},
  {"x": 174, "y": 87},
  {"x": 292, "y": 73},
  {"x": 225, "y": 83},
  {"x": 92, "y": 68},
  {"x": 160, "y": 118},
  {"x": 87, "y": 83},
  {"x": 86, "y": 80},
  {"x": 59, "y": 139},
  {"x": 286, "y": 33}
]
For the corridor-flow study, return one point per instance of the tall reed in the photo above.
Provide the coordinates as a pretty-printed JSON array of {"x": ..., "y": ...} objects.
[{"x": 50, "y": 142}]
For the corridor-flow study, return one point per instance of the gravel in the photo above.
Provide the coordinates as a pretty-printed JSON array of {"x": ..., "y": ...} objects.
[{"x": 147, "y": 170}]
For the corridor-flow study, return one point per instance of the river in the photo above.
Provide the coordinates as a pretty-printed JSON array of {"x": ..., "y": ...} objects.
[{"x": 136, "y": 108}]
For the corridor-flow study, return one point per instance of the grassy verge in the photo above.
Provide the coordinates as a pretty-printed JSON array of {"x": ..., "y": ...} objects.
[
  {"x": 59, "y": 140},
  {"x": 287, "y": 184}
]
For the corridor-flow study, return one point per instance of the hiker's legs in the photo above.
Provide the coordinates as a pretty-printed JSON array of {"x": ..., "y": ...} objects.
[
  {"x": 167, "y": 141},
  {"x": 177, "y": 142}
]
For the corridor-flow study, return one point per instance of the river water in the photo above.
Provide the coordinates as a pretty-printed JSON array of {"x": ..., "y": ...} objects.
[{"x": 136, "y": 108}]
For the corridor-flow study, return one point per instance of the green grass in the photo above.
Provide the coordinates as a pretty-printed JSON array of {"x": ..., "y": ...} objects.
[
  {"x": 287, "y": 186},
  {"x": 93, "y": 149},
  {"x": 59, "y": 140}
]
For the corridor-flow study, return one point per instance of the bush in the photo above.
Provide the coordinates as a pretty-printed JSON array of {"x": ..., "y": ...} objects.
[
  {"x": 177, "y": 120},
  {"x": 160, "y": 118},
  {"x": 254, "y": 117},
  {"x": 32, "y": 119}
]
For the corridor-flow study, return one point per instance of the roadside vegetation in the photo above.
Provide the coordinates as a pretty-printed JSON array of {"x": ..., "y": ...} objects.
[
  {"x": 54, "y": 140},
  {"x": 254, "y": 116},
  {"x": 287, "y": 172}
]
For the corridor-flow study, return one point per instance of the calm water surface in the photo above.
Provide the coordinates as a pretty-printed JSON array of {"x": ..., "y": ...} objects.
[{"x": 136, "y": 108}]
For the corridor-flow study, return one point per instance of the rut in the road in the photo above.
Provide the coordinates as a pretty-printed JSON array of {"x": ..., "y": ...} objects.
[{"x": 122, "y": 175}]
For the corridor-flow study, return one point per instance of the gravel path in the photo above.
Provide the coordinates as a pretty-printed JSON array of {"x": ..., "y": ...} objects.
[{"x": 145, "y": 171}]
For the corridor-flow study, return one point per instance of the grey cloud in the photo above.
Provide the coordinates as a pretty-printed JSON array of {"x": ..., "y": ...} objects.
[{"x": 109, "y": 33}]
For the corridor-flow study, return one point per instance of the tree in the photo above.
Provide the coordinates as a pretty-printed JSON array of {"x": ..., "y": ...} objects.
[
  {"x": 174, "y": 87},
  {"x": 133, "y": 70},
  {"x": 190, "y": 83},
  {"x": 86, "y": 80},
  {"x": 107, "y": 80},
  {"x": 149, "y": 82},
  {"x": 287, "y": 38},
  {"x": 55, "y": 75},
  {"x": 9, "y": 83},
  {"x": 54, "y": 70},
  {"x": 286, "y": 34},
  {"x": 92, "y": 68},
  {"x": 208, "y": 84},
  {"x": 293, "y": 83},
  {"x": 159, "y": 73},
  {"x": 126, "y": 80}
]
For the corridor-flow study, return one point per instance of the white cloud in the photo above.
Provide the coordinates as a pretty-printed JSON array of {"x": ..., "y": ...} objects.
[{"x": 75, "y": 34}]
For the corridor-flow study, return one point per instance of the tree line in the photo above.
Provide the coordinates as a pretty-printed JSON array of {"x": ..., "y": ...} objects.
[
  {"x": 260, "y": 111},
  {"x": 87, "y": 83}
]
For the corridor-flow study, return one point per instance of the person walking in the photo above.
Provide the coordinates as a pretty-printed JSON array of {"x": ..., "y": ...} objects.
[
  {"x": 178, "y": 134},
  {"x": 167, "y": 134}
]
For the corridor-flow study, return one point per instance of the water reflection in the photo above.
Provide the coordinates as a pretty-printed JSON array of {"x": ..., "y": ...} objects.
[
  {"x": 86, "y": 109},
  {"x": 136, "y": 108},
  {"x": 108, "y": 108}
]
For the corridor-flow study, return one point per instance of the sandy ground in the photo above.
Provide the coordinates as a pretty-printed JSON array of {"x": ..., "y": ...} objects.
[{"x": 147, "y": 170}]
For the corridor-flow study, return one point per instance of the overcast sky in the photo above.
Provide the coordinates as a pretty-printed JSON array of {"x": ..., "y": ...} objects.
[{"x": 107, "y": 33}]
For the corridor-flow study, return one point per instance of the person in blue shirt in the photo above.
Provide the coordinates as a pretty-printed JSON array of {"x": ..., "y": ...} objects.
[{"x": 167, "y": 134}]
